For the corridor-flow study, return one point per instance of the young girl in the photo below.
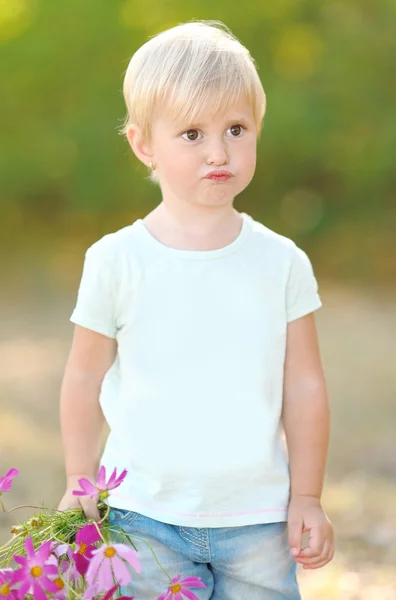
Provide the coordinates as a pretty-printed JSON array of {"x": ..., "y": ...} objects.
[{"x": 195, "y": 330}]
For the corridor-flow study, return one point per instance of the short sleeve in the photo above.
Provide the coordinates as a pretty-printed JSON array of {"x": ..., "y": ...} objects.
[
  {"x": 302, "y": 295},
  {"x": 95, "y": 306}
]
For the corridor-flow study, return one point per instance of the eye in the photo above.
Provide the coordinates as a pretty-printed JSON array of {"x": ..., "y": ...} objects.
[
  {"x": 236, "y": 129},
  {"x": 191, "y": 135}
]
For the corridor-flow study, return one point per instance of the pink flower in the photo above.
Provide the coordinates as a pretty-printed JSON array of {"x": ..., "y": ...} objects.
[
  {"x": 35, "y": 571},
  {"x": 83, "y": 553},
  {"x": 67, "y": 567},
  {"x": 110, "y": 562},
  {"x": 6, "y": 480},
  {"x": 102, "y": 488},
  {"x": 61, "y": 594},
  {"x": 177, "y": 590},
  {"x": 7, "y": 581}
]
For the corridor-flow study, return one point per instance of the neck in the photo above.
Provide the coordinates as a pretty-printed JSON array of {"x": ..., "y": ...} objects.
[
  {"x": 194, "y": 232},
  {"x": 197, "y": 221}
]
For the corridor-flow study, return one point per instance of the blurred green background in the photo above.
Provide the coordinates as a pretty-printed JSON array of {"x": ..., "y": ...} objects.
[{"x": 325, "y": 178}]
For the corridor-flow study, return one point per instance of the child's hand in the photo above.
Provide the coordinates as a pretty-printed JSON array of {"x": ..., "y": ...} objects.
[
  {"x": 306, "y": 514},
  {"x": 69, "y": 501}
]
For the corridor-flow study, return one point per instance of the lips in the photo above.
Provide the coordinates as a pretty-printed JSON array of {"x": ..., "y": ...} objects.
[{"x": 219, "y": 175}]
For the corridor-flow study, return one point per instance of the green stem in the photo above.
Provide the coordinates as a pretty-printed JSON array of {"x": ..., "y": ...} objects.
[
  {"x": 70, "y": 589},
  {"x": 106, "y": 514},
  {"x": 99, "y": 532},
  {"x": 32, "y": 506}
]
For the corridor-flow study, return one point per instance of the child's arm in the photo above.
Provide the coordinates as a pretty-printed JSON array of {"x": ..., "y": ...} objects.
[
  {"x": 81, "y": 417},
  {"x": 306, "y": 421}
]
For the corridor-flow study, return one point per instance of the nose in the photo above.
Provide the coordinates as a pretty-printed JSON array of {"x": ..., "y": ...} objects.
[{"x": 217, "y": 153}]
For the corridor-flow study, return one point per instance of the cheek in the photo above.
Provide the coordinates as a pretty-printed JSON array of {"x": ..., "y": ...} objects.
[
  {"x": 181, "y": 169},
  {"x": 250, "y": 154},
  {"x": 248, "y": 159},
  {"x": 247, "y": 165},
  {"x": 176, "y": 173},
  {"x": 178, "y": 160}
]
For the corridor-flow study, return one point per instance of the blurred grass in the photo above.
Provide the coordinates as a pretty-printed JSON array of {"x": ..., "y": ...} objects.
[
  {"x": 325, "y": 171},
  {"x": 360, "y": 493}
]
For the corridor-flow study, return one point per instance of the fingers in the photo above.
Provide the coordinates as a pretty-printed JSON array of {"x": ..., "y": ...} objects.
[
  {"x": 321, "y": 559},
  {"x": 320, "y": 564},
  {"x": 90, "y": 508},
  {"x": 85, "y": 503},
  {"x": 295, "y": 528},
  {"x": 315, "y": 545},
  {"x": 68, "y": 504}
]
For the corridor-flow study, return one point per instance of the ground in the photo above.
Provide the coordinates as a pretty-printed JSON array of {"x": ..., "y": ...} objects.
[{"x": 357, "y": 347}]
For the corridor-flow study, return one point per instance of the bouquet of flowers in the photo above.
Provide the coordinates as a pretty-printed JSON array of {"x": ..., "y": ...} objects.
[{"x": 60, "y": 555}]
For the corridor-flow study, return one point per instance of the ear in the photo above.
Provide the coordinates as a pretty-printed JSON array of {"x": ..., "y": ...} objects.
[{"x": 140, "y": 147}]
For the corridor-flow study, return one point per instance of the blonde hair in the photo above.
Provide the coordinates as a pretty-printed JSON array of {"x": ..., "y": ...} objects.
[{"x": 182, "y": 69}]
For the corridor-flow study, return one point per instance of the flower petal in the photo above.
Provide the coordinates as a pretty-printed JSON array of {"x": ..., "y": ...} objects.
[
  {"x": 110, "y": 592},
  {"x": 6, "y": 480},
  {"x": 119, "y": 480},
  {"x": 90, "y": 593},
  {"x": 130, "y": 555},
  {"x": 112, "y": 479},
  {"x": 88, "y": 534},
  {"x": 81, "y": 563},
  {"x": 5, "y": 575},
  {"x": 11, "y": 474},
  {"x": 89, "y": 552},
  {"x": 50, "y": 570},
  {"x": 64, "y": 566},
  {"x": 23, "y": 589},
  {"x": 49, "y": 584},
  {"x": 19, "y": 575},
  {"x": 43, "y": 552},
  {"x": 101, "y": 478},
  {"x": 70, "y": 573},
  {"x": 88, "y": 488},
  {"x": 189, "y": 594},
  {"x": 192, "y": 582},
  {"x": 93, "y": 567},
  {"x": 38, "y": 592},
  {"x": 61, "y": 549},
  {"x": 104, "y": 576},
  {"x": 21, "y": 560},
  {"x": 29, "y": 548},
  {"x": 121, "y": 571}
]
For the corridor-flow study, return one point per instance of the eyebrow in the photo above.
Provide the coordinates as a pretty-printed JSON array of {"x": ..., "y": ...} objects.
[{"x": 237, "y": 119}]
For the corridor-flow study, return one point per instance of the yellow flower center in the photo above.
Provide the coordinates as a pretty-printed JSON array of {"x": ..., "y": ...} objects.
[
  {"x": 36, "y": 571},
  {"x": 110, "y": 552},
  {"x": 82, "y": 548},
  {"x": 4, "y": 590},
  {"x": 176, "y": 588},
  {"x": 59, "y": 583}
]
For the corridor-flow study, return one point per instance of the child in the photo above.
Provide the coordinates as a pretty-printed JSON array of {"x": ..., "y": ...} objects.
[{"x": 205, "y": 317}]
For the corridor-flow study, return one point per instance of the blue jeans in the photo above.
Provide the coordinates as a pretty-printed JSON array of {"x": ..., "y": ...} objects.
[{"x": 251, "y": 562}]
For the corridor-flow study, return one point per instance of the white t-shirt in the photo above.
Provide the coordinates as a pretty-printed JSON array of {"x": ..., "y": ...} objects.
[{"x": 194, "y": 398}]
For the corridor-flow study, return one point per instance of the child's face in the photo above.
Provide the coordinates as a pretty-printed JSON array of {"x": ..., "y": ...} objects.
[{"x": 186, "y": 152}]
